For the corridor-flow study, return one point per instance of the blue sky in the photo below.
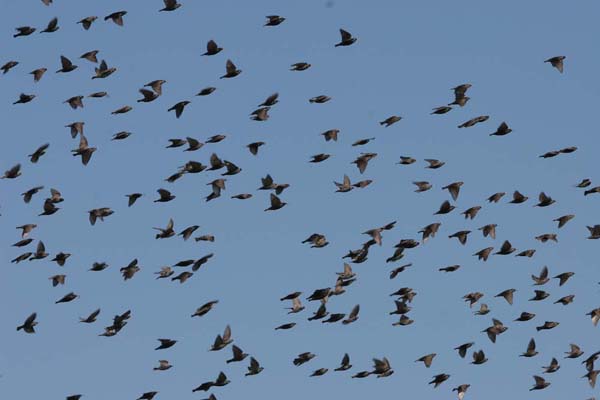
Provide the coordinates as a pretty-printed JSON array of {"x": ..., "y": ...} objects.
[{"x": 407, "y": 57}]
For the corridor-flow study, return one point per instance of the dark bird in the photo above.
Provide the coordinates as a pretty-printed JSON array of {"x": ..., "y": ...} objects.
[
  {"x": 116, "y": 17},
  {"x": 471, "y": 212},
  {"x": 87, "y": 22},
  {"x": 479, "y": 358},
  {"x": 222, "y": 341},
  {"x": 231, "y": 70},
  {"x": 347, "y": 39},
  {"x": 303, "y": 358},
  {"x": 502, "y": 130},
  {"x": 462, "y": 349},
  {"x": 564, "y": 277},
  {"x": 90, "y": 318},
  {"x": 179, "y": 107},
  {"x": 66, "y": 65},
  {"x": 254, "y": 368},
  {"x": 553, "y": 367},
  {"x": 319, "y": 99},
  {"x": 8, "y": 66},
  {"x": 170, "y": 5},
  {"x": 212, "y": 48},
  {"x": 274, "y": 20},
  {"x": 439, "y": 379},
  {"x": 24, "y": 31},
  {"x": 238, "y": 354},
  {"x": 301, "y": 66},
  {"x": 531, "y": 351},
  {"x": 276, "y": 203},
  {"x": 75, "y": 102},
  {"x": 29, "y": 324},
  {"x": 24, "y": 98},
  {"x": 390, "y": 120},
  {"x": 427, "y": 359},
  {"x": 506, "y": 248},
  {"x": 165, "y": 196},
  {"x": 474, "y": 121},
  {"x": 39, "y": 152},
  {"x": 441, "y": 110},
  {"x": 67, "y": 298},
  {"x": 103, "y": 71},
  {"x": 345, "y": 364},
  {"x": 540, "y": 383},
  {"x": 165, "y": 344},
  {"x": 547, "y": 326},
  {"x": 445, "y": 208},
  {"x": 205, "y": 308},
  {"x": 52, "y": 26},
  {"x": 557, "y": 62},
  {"x": 206, "y": 91}
]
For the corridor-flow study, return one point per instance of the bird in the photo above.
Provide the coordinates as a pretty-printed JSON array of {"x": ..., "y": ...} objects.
[
  {"x": 52, "y": 26},
  {"x": 557, "y": 62},
  {"x": 24, "y": 31},
  {"x": 87, "y": 22},
  {"x": 274, "y": 20},
  {"x": 29, "y": 324},
  {"x": 170, "y": 5},
  {"x": 222, "y": 341},
  {"x": 254, "y": 368},
  {"x": 531, "y": 351},
  {"x": 502, "y": 130},
  {"x": 231, "y": 71},
  {"x": 66, "y": 65},
  {"x": 179, "y": 107},
  {"x": 116, "y": 17},
  {"x": 540, "y": 383},
  {"x": 165, "y": 344}
]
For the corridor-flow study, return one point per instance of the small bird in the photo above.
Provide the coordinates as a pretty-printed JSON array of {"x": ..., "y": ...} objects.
[
  {"x": 345, "y": 364},
  {"x": 347, "y": 39},
  {"x": 531, "y": 351},
  {"x": 474, "y": 121},
  {"x": 557, "y": 62},
  {"x": 90, "y": 318},
  {"x": 103, "y": 71},
  {"x": 212, "y": 48},
  {"x": 52, "y": 26},
  {"x": 66, "y": 65},
  {"x": 319, "y": 99},
  {"x": 545, "y": 200},
  {"x": 238, "y": 354},
  {"x": 29, "y": 324},
  {"x": 303, "y": 358},
  {"x": 205, "y": 308},
  {"x": 574, "y": 352},
  {"x": 165, "y": 344},
  {"x": 274, "y": 20},
  {"x": 276, "y": 203},
  {"x": 10, "y": 65},
  {"x": 38, "y": 73},
  {"x": 390, "y": 120},
  {"x": 254, "y": 368},
  {"x": 206, "y": 91},
  {"x": 320, "y": 372},
  {"x": 461, "y": 390},
  {"x": 502, "y": 130},
  {"x": 439, "y": 379},
  {"x": 441, "y": 110},
  {"x": 163, "y": 365},
  {"x": 179, "y": 107},
  {"x": 39, "y": 152},
  {"x": 67, "y": 298},
  {"x": 540, "y": 383},
  {"x": 87, "y": 22},
  {"x": 300, "y": 66},
  {"x": 116, "y": 17},
  {"x": 24, "y": 31},
  {"x": 462, "y": 349},
  {"x": 553, "y": 367},
  {"x": 508, "y": 295},
  {"x": 231, "y": 70},
  {"x": 479, "y": 358},
  {"x": 427, "y": 359},
  {"x": 222, "y": 341},
  {"x": 170, "y": 5},
  {"x": 24, "y": 98}
]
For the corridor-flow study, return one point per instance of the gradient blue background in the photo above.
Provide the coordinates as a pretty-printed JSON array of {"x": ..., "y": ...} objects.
[{"x": 408, "y": 56}]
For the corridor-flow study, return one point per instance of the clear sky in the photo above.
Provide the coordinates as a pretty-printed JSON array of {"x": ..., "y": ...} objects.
[{"x": 407, "y": 57}]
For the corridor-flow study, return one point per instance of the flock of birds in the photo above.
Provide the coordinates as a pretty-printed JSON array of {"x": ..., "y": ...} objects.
[{"x": 403, "y": 298}]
